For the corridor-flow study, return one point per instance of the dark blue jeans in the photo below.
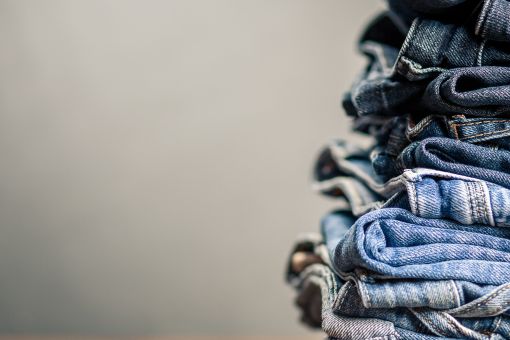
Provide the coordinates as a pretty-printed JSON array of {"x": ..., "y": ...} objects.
[
  {"x": 483, "y": 131},
  {"x": 488, "y": 164},
  {"x": 489, "y": 132},
  {"x": 493, "y": 21},
  {"x": 439, "y": 68},
  {"x": 482, "y": 91},
  {"x": 455, "y": 11},
  {"x": 491, "y": 17}
]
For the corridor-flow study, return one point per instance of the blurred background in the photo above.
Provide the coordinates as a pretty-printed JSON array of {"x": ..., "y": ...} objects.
[{"x": 156, "y": 159}]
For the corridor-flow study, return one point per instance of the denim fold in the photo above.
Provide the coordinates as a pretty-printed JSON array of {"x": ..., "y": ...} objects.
[
  {"x": 458, "y": 157},
  {"x": 394, "y": 243}
]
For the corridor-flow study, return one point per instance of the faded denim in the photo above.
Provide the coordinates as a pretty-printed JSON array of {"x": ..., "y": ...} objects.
[
  {"x": 319, "y": 282},
  {"x": 459, "y": 298},
  {"x": 394, "y": 243},
  {"x": 427, "y": 192},
  {"x": 344, "y": 316},
  {"x": 442, "y": 195},
  {"x": 359, "y": 198},
  {"x": 342, "y": 159},
  {"x": 422, "y": 320}
]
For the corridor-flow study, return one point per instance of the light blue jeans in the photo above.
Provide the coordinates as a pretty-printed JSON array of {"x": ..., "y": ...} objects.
[
  {"x": 441, "y": 195},
  {"x": 394, "y": 243},
  {"x": 345, "y": 317}
]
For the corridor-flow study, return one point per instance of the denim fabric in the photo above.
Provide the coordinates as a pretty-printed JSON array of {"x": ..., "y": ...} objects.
[
  {"x": 334, "y": 174},
  {"x": 471, "y": 91},
  {"x": 422, "y": 320},
  {"x": 394, "y": 243},
  {"x": 459, "y": 158},
  {"x": 490, "y": 131},
  {"x": 471, "y": 79},
  {"x": 459, "y": 298},
  {"x": 493, "y": 23},
  {"x": 431, "y": 6},
  {"x": 342, "y": 159},
  {"x": 444, "y": 10},
  {"x": 318, "y": 281},
  {"x": 378, "y": 90},
  {"x": 426, "y": 192},
  {"x": 337, "y": 160},
  {"x": 311, "y": 243},
  {"x": 372, "y": 125},
  {"x": 389, "y": 146},
  {"x": 489, "y": 303},
  {"x": 359, "y": 198},
  {"x": 347, "y": 303},
  {"x": 441, "y": 195},
  {"x": 432, "y": 47},
  {"x": 338, "y": 153},
  {"x": 322, "y": 296}
]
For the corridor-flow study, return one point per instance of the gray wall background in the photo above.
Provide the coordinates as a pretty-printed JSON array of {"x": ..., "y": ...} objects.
[{"x": 156, "y": 158}]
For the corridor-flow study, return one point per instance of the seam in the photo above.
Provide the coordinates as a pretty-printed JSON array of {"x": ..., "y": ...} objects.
[
  {"x": 450, "y": 322},
  {"x": 413, "y": 198},
  {"x": 452, "y": 294},
  {"x": 454, "y": 291},
  {"x": 482, "y": 19},
  {"x": 486, "y": 133},
  {"x": 496, "y": 326},
  {"x": 483, "y": 122},
  {"x": 479, "y": 57},
  {"x": 488, "y": 204},
  {"x": 490, "y": 297},
  {"x": 482, "y": 203},
  {"x": 410, "y": 36},
  {"x": 473, "y": 206},
  {"x": 430, "y": 324},
  {"x": 343, "y": 297},
  {"x": 367, "y": 294},
  {"x": 453, "y": 127},
  {"x": 487, "y": 13},
  {"x": 477, "y": 200},
  {"x": 417, "y": 204}
]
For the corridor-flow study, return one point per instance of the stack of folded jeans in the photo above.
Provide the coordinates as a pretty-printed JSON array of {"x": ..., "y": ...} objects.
[{"x": 419, "y": 247}]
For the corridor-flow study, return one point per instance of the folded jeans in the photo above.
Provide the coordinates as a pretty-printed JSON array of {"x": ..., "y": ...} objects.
[{"x": 393, "y": 243}]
